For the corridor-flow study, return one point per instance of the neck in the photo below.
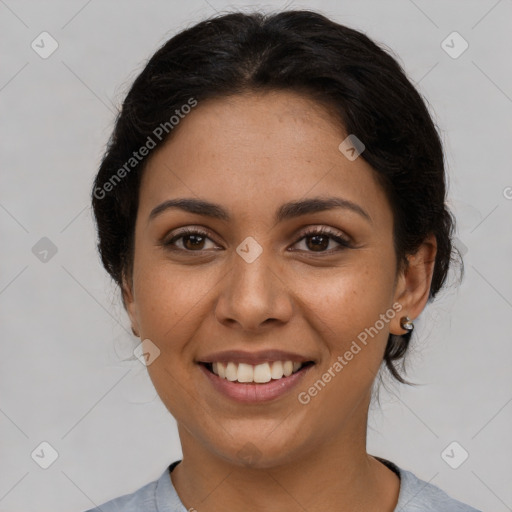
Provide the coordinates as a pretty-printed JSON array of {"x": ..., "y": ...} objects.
[{"x": 337, "y": 475}]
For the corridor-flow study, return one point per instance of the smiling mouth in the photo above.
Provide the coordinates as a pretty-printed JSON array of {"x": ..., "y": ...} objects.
[{"x": 255, "y": 374}]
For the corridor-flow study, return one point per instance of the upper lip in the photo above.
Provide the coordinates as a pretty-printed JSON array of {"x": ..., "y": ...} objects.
[{"x": 253, "y": 358}]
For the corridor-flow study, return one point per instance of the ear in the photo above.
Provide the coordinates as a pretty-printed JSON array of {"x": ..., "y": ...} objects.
[
  {"x": 413, "y": 283},
  {"x": 129, "y": 303}
]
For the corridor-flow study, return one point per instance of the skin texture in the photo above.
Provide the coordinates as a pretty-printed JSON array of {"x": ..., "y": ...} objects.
[{"x": 250, "y": 154}]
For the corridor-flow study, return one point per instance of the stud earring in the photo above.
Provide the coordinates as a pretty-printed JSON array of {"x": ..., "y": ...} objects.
[{"x": 406, "y": 323}]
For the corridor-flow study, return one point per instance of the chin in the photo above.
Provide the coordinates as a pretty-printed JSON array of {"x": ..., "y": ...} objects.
[{"x": 255, "y": 452}]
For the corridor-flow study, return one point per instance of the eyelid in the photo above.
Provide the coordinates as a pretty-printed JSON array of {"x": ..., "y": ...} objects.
[{"x": 325, "y": 230}]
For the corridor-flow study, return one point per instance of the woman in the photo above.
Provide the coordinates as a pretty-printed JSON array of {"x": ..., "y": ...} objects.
[{"x": 272, "y": 206}]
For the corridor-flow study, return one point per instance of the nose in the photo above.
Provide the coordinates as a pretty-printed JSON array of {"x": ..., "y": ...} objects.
[{"x": 253, "y": 295}]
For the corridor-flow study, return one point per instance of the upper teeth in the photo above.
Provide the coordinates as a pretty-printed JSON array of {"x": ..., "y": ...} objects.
[{"x": 263, "y": 372}]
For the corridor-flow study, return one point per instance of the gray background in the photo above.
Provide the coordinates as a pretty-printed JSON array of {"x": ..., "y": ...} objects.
[{"x": 65, "y": 378}]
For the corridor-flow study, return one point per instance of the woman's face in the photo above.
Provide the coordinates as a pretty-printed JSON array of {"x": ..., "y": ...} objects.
[{"x": 251, "y": 281}]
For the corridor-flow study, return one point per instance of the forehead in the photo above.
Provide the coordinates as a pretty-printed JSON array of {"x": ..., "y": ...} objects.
[{"x": 255, "y": 151}]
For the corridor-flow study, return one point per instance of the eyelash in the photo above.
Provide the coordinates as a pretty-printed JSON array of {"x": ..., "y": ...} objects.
[{"x": 344, "y": 243}]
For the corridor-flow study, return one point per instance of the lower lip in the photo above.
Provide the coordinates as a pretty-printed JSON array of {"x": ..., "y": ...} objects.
[{"x": 255, "y": 393}]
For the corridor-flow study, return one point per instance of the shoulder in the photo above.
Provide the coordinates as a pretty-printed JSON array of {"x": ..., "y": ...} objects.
[
  {"x": 142, "y": 499},
  {"x": 155, "y": 496},
  {"x": 416, "y": 495}
]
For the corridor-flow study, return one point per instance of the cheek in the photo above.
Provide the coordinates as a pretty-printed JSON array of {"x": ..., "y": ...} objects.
[
  {"x": 349, "y": 299},
  {"x": 347, "y": 313},
  {"x": 168, "y": 305},
  {"x": 168, "y": 297}
]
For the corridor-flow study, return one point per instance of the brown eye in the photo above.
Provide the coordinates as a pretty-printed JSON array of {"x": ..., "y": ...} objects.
[
  {"x": 319, "y": 240},
  {"x": 191, "y": 240}
]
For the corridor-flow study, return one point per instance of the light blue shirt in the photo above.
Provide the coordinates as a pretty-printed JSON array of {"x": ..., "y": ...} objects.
[{"x": 160, "y": 496}]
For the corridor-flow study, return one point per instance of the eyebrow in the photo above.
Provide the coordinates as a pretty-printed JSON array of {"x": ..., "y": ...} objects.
[{"x": 286, "y": 211}]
